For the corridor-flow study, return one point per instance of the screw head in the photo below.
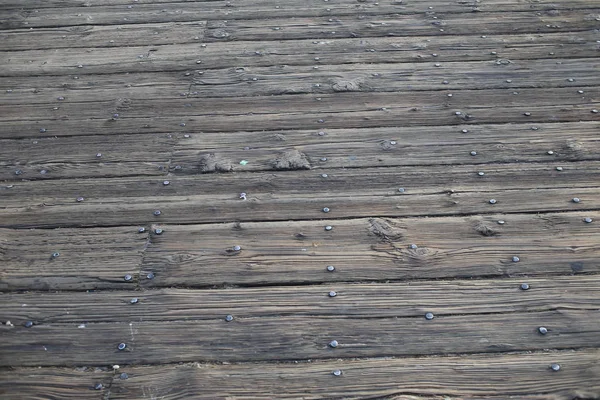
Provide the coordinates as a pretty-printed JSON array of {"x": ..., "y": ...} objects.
[
  {"x": 166, "y": 183},
  {"x": 401, "y": 190},
  {"x": 542, "y": 330},
  {"x": 123, "y": 376},
  {"x": 28, "y": 324},
  {"x": 473, "y": 153},
  {"x": 98, "y": 155},
  {"x": 229, "y": 318},
  {"x": 524, "y": 286},
  {"x": 527, "y": 114},
  {"x": 158, "y": 231},
  {"x": 332, "y": 294},
  {"x": 80, "y": 199},
  {"x": 98, "y": 386},
  {"x": 330, "y": 268},
  {"x": 429, "y": 316},
  {"x": 588, "y": 220},
  {"x": 413, "y": 246},
  {"x": 18, "y": 172},
  {"x": 122, "y": 346},
  {"x": 559, "y": 168},
  {"x": 135, "y": 300},
  {"x": 237, "y": 248},
  {"x": 576, "y": 200},
  {"x": 337, "y": 372},
  {"x": 324, "y": 175},
  {"x": 516, "y": 259},
  {"x": 333, "y": 344},
  {"x": 54, "y": 255},
  {"x": 480, "y": 173},
  {"x": 493, "y": 201},
  {"x": 550, "y": 152},
  {"x": 326, "y": 209},
  {"x": 501, "y": 222},
  {"x": 328, "y": 227},
  {"x": 127, "y": 278},
  {"x": 150, "y": 275},
  {"x": 157, "y": 213},
  {"x": 555, "y": 367}
]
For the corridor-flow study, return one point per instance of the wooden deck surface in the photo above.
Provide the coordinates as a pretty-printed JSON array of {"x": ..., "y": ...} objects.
[{"x": 308, "y": 199}]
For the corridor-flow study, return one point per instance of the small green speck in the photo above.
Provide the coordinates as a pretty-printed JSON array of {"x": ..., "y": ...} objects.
[{"x": 243, "y": 162}]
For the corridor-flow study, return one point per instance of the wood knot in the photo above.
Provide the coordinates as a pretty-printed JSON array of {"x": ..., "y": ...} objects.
[
  {"x": 386, "y": 230},
  {"x": 485, "y": 230},
  {"x": 213, "y": 163}
]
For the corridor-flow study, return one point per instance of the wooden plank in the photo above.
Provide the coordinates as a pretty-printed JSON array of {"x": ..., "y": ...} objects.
[
  {"x": 55, "y": 383},
  {"x": 529, "y": 375},
  {"x": 327, "y": 111},
  {"x": 401, "y": 25},
  {"x": 410, "y": 299},
  {"x": 284, "y": 338},
  {"x": 376, "y": 249},
  {"x": 258, "y": 10},
  {"x": 87, "y": 258},
  {"x": 187, "y": 200},
  {"x": 77, "y": 157},
  {"x": 233, "y": 8},
  {"x": 178, "y": 43},
  {"x": 188, "y": 109},
  {"x": 515, "y": 376},
  {"x": 156, "y": 154}
]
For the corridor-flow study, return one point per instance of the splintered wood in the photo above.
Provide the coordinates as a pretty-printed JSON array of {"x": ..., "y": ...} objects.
[{"x": 324, "y": 199}]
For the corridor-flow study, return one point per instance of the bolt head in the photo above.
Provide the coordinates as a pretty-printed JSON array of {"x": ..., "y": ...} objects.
[
  {"x": 401, "y": 190},
  {"x": 326, "y": 209},
  {"x": 337, "y": 372},
  {"x": 28, "y": 324},
  {"x": 480, "y": 173},
  {"x": 333, "y": 344},
  {"x": 229, "y": 318},
  {"x": 576, "y": 200},
  {"x": 127, "y": 278},
  {"x": 324, "y": 175},
  {"x": 150, "y": 275},
  {"x": 550, "y": 152},
  {"x": 493, "y": 201},
  {"x": 559, "y": 168},
  {"x": 122, "y": 346},
  {"x": 135, "y": 300},
  {"x": 501, "y": 222},
  {"x": 157, "y": 213},
  {"x": 542, "y": 330},
  {"x": 166, "y": 183},
  {"x": 429, "y": 316},
  {"x": 330, "y": 268},
  {"x": 555, "y": 367},
  {"x": 237, "y": 248},
  {"x": 80, "y": 199},
  {"x": 328, "y": 227},
  {"x": 524, "y": 286},
  {"x": 473, "y": 153},
  {"x": 332, "y": 294},
  {"x": 123, "y": 376},
  {"x": 158, "y": 231},
  {"x": 588, "y": 220},
  {"x": 54, "y": 255},
  {"x": 516, "y": 259},
  {"x": 413, "y": 246},
  {"x": 527, "y": 114}
]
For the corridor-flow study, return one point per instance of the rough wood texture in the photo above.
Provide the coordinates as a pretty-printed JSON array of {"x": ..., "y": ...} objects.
[
  {"x": 358, "y": 300},
  {"x": 507, "y": 376},
  {"x": 450, "y": 148},
  {"x": 296, "y": 338}
]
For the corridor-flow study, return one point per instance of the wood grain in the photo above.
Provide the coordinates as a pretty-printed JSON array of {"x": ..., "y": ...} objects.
[
  {"x": 470, "y": 377},
  {"x": 284, "y": 338},
  {"x": 88, "y": 259},
  {"x": 375, "y": 249},
  {"x": 406, "y": 299},
  {"x": 55, "y": 383},
  {"x": 186, "y": 200}
]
